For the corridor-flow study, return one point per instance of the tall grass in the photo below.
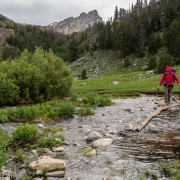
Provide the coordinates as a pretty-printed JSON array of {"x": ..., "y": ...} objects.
[
  {"x": 24, "y": 113},
  {"x": 4, "y": 152},
  {"x": 29, "y": 113},
  {"x": 93, "y": 99}
]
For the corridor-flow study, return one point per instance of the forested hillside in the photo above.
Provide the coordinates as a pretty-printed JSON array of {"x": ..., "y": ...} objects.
[{"x": 145, "y": 26}]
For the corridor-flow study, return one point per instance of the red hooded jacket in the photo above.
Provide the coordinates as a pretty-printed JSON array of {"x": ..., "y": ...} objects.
[{"x": 175, "y": 78}]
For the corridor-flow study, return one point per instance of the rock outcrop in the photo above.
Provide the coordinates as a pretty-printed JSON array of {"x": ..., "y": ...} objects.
[
  {"x": 78, "y": 24},
  {"x": 4, "y": 33}
]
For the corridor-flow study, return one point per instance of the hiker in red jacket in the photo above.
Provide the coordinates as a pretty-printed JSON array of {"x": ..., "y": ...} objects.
[{"x": 168, "y": 78}]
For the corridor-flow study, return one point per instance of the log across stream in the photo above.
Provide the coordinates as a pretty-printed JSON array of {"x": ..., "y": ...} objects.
[{"x": 154, "y": 114}]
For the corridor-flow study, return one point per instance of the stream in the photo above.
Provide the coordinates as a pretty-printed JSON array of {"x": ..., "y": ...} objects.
[{"x": 131, "y": 153}]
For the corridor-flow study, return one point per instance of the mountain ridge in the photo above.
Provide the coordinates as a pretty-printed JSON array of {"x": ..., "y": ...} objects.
[{"x": 77, "y": 24}]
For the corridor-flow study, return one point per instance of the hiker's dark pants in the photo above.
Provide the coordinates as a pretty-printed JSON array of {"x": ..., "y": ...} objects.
[{"x": 167, "y": 93}]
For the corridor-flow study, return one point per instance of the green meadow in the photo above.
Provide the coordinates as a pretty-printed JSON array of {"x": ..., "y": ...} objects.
[{"x": 128, "y": 82}]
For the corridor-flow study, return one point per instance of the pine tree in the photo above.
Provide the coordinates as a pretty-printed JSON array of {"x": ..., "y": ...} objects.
[
  {"x": 172, "y": 39},
  {"x": 116, "y": 13}
]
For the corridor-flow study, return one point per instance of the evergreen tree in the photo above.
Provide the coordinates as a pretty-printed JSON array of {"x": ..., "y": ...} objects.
[
  {"x": 108, "y": 36},
  {"x": 172, "y": 39},
  {"x": 116, "y": 13},
  {"x": 154, "y": 43},
  {"x": 72, "y": 50},
  {"x": 83, "y": 74},
  {"x": 170, "y": 12},
  {"x": 126, "y": 38}
]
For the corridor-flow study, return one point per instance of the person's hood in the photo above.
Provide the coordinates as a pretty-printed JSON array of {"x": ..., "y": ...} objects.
[{"x": 168, "y": 69}]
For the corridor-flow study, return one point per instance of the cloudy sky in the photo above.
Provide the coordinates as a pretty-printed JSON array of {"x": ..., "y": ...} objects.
[{"x": 45, "y": 12}]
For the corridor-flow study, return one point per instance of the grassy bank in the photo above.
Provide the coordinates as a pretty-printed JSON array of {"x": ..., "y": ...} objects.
[{"x": 122, "y": 82}]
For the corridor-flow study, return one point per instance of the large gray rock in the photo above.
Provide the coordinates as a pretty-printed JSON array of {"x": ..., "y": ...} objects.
[
  {"x": 58, "y": 149},
  {"x": 58, "y": 174},
  {"x": 102, "y": 142},
  {"x": 47, "y": 162},
  {"x": 93, "y": 136}
]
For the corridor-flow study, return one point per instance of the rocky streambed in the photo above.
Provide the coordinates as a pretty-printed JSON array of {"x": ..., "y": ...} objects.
[{"x": 130, "y": 153}]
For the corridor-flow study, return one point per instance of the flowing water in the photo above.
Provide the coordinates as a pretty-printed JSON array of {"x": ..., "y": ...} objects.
[
  {"x": 131, "y": 152},
  {"x": 158, "y": 141}
]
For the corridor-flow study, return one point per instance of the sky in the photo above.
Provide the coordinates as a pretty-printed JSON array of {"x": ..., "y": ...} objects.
[{"x": 45, "y": 12}]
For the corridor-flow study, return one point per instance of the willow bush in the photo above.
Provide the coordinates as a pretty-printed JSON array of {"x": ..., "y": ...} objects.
[{"x": 34, "y": 77}]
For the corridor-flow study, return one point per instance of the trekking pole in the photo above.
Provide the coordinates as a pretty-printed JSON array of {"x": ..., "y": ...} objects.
[{"x": 157, "y": 91}]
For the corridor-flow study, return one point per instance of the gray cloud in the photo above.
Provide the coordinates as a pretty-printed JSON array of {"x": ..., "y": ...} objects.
[{"x": 44, "y": 12}]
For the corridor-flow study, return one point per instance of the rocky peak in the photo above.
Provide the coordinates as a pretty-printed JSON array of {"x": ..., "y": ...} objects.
[{"x": 78, "y": 24}]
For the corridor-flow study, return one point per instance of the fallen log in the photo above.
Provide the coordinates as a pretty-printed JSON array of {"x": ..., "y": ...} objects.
[{"x": 158, "y": 110}]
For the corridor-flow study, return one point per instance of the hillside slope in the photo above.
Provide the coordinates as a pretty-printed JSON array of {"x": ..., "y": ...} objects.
[{"x": 103, "y": 62}]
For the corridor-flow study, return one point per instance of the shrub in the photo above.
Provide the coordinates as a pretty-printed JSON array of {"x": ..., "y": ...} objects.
[
  {"x": 49, "y": 142},
  {"x": 101, "y": 101},
  {"x": 45, "y": 170},
  {"x": 85, "y": 100},
  {"x": 51, "y": 131},
  {"x": 139, "y": 53},
  {"x": 152, "y": 63},
  {"x": 9, "y": 92},
  {"x": 3, "y": 116},
  {"x": 177, "y": 176},
  {"x": 26, "y": 113},
  {"x": 74, "y": 97},
  {"x": 83, "y": 74},
  {"x": 4, "y": 153},
  {"x": 66, "y": 110},
  {"x": 56, "y": 129},
  {"x": 165, "y": 169},
  {"x": 34, "y": 77},
  {"x": 25, "y": 133},
  {"x": 127, "y": 62},
  {"x": 85, "y": 111},
  {"x": 154, "y": 176},
  {"x": 49, "y": 137},
  {"x": 92, "y": 97},
  {"x": 19, "y": 155},
  {"x": 52, "y": 113},
  {"x": 164, "y": 60}
]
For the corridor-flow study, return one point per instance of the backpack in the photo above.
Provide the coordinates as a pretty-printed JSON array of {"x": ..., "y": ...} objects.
[
  {"x": 169, "y": 78},
  {"x": 173, "y": 69}
]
